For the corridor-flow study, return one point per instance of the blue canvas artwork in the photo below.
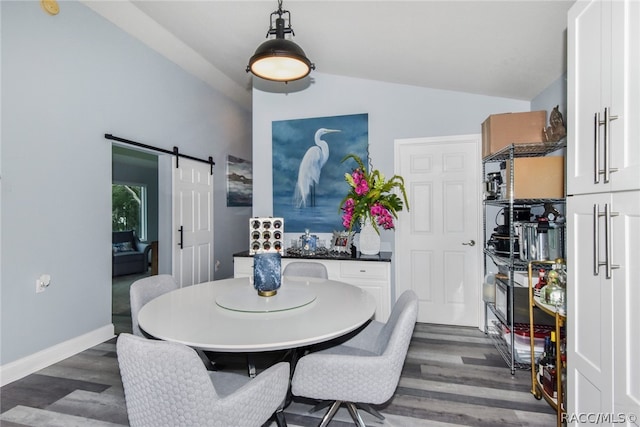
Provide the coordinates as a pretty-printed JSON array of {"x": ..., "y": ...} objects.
[
  {"x": 239, "y": 182},
  {"x": 308, "y": 173}
]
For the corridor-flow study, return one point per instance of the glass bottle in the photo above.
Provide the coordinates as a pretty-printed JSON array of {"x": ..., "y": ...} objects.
[
  {"x": 553, "y": 368},
  {"x": 553, "y": 293},
  {"x": 563, "y": 380},
  {"x": 552, "y": 354},
  {"x": 561, "y": 268},
  {"x": 542, "y": 362},
  {"x": 541, "y": 283},
  {"x": 549, "y": 378}
]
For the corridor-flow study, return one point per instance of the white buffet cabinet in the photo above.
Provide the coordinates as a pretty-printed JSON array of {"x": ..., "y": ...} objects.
[{"x": 373, "y": 276}]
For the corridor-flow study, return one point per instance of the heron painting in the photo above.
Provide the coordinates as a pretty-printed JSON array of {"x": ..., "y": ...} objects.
[
  {"x": 310, "y": 168},
  {"x": 308, "y": 176}
]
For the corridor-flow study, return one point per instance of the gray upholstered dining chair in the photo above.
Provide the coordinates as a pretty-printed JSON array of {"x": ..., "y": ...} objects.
[
  {"x": 165, "y": 384},
  {"x": 362, "y": 371},
  {"x": 305, "y": 269},
  {"x": 144, "y": 290}
]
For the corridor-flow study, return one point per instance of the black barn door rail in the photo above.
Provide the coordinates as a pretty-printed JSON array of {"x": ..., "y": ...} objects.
[{"x": 175, "y": 151}]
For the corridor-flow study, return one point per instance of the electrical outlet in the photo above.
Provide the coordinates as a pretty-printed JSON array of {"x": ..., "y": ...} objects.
[{"x": 42, "y": 283}]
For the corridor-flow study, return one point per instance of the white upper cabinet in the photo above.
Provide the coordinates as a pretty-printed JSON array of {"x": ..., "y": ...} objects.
[{"x": 603, "y": 120}]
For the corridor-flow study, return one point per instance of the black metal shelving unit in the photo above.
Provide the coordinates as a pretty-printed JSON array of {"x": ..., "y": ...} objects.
[{"x": 511, "y": 262}]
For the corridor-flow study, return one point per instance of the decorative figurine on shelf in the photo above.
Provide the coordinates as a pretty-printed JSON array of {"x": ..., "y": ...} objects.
[{"x": 556, "y": 130}]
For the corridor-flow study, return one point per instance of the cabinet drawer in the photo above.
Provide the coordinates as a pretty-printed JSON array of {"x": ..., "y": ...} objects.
[
  {"x": 242, "y": 266},
  {"x": 364, "y": 270}
]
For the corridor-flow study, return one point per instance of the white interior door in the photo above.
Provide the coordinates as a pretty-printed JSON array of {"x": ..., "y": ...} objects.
[
  {"x": 438, "y": 242},
  {"x": 192, "y": 222}
]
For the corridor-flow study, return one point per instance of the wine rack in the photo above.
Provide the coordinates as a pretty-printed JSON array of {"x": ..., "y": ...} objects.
[{"x": 266, "y": 235}]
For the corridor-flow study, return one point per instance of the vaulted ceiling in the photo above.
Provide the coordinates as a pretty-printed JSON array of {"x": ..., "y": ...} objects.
[{"x": 508, "y": 48}]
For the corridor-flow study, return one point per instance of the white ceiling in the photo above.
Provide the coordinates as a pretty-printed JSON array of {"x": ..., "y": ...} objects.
[{"x": 508, "y": 48}]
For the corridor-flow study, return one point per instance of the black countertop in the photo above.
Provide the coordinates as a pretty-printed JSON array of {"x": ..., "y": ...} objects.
[{"x": 381, "y": 257}]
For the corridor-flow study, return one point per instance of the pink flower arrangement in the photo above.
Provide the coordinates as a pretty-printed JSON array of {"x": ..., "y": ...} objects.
[{"x": 371, "y": 196}]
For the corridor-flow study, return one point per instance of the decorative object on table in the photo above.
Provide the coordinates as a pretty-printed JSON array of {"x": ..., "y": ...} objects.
[
  {"x": 314, "y": 208},
  {"x": 308, "y": 243},
  {"x": 299, "y": 252},
  {"x": 369, "y": 238},
  {"x": 239, "y": 182},
  {"x": 266, "y": 235},
  {"x": 266, "y": 273},
  {"x": 556, "y": 129},
  {"x": 342, "y": 241},
  {"x": 371, "y": 203}
]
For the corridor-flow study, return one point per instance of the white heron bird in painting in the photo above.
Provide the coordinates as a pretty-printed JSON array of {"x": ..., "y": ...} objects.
[{"x": 310, "y": 167}]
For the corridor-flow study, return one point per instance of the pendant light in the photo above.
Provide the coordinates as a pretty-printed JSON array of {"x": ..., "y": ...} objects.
[{"x": 280, "y": 59}]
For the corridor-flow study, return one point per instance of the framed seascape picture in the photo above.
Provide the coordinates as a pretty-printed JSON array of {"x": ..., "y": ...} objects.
[
  {"x": 239, "y": 182},
  {"x": 308, "y": 173}
]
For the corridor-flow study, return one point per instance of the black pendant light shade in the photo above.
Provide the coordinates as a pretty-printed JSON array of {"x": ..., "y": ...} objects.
[{"x": 280, "y": 59}]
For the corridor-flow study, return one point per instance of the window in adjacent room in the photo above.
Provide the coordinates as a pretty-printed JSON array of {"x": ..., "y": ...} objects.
[{"x": 129, "y": 208}]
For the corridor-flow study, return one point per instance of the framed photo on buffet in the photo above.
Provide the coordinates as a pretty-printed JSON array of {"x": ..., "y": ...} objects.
[{"x": 341, "y": 241}]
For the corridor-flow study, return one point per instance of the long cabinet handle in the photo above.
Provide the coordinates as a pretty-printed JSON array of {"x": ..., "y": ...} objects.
[
  {"x": 607, "y": 242},
  {"x": 596, "y": 240},
  {"x": 596, "y": 147},
  {"x": 608, "y": 118},
  {"x": 181, "y": 230},
  {"x": 608, "y": 247}
]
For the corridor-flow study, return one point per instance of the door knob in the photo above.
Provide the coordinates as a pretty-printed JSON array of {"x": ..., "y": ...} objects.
[{"x": 470, "y": 243}]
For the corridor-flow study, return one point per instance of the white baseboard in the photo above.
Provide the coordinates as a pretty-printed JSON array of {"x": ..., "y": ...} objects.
[{"x": 28, "y": 365}]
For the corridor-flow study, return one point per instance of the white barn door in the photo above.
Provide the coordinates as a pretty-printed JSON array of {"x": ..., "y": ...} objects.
[
  {"x": 438, "y": 243},
  {"x": 192, "y": 222}
]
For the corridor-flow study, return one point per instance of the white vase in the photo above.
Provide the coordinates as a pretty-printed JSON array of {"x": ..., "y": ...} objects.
[{"x": 369, "y": 238}]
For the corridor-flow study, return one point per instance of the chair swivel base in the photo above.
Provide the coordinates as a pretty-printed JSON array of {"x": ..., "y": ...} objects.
[{"x": 351, "y": 407}]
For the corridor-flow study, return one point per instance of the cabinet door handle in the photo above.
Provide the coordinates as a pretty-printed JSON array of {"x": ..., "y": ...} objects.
[
  {"x": 607, "y": 242},
  {"x": 596, "y": 240},
  {"x": 608, "y": 247},
  {"x": 608, "y": 118},
  {"x": 596, "y": 145},
  {"x": 181, "y": 230}
]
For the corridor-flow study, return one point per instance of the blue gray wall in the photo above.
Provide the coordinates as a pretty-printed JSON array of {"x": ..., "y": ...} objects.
[
  {"x": 69, "y": 79},
  {"x": 395, "y": 111},
  {"x": 554, "y": 94},
  {"x": 66, "y": 81}
]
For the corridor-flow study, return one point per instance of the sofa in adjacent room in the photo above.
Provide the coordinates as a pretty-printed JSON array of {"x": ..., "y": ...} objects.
[{"x": 129, "y": 254}]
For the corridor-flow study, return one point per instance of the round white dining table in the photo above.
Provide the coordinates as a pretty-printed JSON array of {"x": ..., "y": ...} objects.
[{"x": 229, "y": 316}]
